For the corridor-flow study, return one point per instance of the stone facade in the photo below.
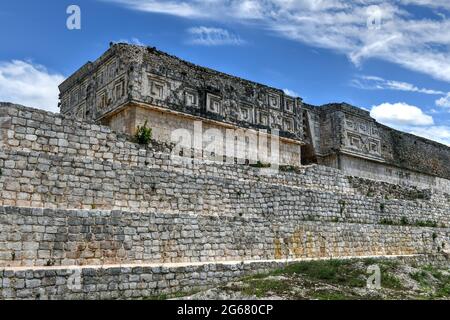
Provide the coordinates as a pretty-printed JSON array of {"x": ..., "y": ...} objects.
[
  {"x": 77, "y": 196},
  {"x": 345, "y": 137},
  {"x": 129, "y": 85},
  {"x": 138, "y": 281}
]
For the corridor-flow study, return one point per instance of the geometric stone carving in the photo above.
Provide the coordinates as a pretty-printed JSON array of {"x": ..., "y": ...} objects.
[
  {"x": 363, "y": 128},
  {"x": 246, "y": 113},
  {"x": 102, "y": 100},
  {"x": 157, "y": 88},
  {"x": 191, "y": 98},
  {"x": 172, "y": 83},
  {"x": 81, "y": 112},
  {"x": 274, "y": 101},
  {"x": 119, "y": 89},
  {"x": 354, "y": 141},
  {"x": 374, "y": 146},
  {"x": 375, "y": 132},
  {"x": 289, "y": 105},
  {"x": 263, "y": 118},
  {"x": 288, "y": 124},
  {"x": 363, "y": 144},
  {"x": 213, "y": 103},
  {"x": 276, "y": 120}
]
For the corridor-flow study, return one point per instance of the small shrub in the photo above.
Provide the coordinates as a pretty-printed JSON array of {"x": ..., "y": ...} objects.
[
  {"x": 259, "y": 164},
  {"x": 404, "y": 221},
  {"x": 428, "y": 223},
  {"x": 143, "y": 134},
  {"x": 289, "y": 169},
  {"x": 387, "y": 222},
  {"x": 391, "y": 281},
  {"x": 342, "y": 205}
]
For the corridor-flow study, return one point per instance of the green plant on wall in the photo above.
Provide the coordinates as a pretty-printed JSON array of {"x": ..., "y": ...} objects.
[{"x": 143, "y": 134}]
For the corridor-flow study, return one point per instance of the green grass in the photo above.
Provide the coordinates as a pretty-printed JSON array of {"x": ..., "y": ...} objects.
[
  {"x": 260, "y": 164},
  {"x": 425, "y": 279},
  {"x": 330, "y": 271},
  {"x": 390, "y": 281},
  {"x": 261, "y": 287},
  {"x": 339, "y": 272},
  {"x": 404, "y": 222},
  {"x": 430, "y": 224},
  {"x": 337, "y": 280},
  {"x": 421, "y": 277},
  {"x": 331, "y": 295}
]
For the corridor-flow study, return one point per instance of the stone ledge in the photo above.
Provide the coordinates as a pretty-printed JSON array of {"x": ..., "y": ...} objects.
[{"x": 138, "y": 281}]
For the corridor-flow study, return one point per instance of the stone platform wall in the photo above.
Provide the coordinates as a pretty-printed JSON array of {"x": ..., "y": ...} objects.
[
  {"x": 139, "y": 281},
  {"x": 51, "y": 162},
  {"x": 47, "y": 237},
  {"x": 77, "y": 194}
]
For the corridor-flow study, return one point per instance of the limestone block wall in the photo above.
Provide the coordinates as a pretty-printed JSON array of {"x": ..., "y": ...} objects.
[
  {"x": 48, "y": 237},
  {"x": 137, "y": 282},
  {"x": 164, "y": 123},
  {"x": 393, "y": 174},
  {"x": 32, "y": 180},
  {"x": 53, "y": 162},
  {"x": 77, "y": 195},
  {"x": 120, "y": 282}
]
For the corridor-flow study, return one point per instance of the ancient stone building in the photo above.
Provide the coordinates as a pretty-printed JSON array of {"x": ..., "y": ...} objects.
[
  {"x": 131, "y": 84},
  {"x": 87, "y": 213}
]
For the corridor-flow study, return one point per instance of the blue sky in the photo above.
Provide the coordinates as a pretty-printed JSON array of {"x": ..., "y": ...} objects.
[{"x": 389, "y": 57}]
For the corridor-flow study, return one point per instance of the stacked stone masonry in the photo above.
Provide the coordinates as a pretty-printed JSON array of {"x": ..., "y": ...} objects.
[
  {"x": 47, "y": 237},
  {"x": 53, "y": 162},
  {"x": 136, "y": 282},
  {"x": 78, "y": 194}
]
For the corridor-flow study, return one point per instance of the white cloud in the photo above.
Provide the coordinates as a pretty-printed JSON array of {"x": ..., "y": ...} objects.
[
  {"x": 32, "y": 85},
  {"x": 444, "y": 4},
  {"x": 400, "y": 114},
  {"x": 213, "y": 37},
  {"x": 411, "y": 119},
  {"x": 444, "y": 102},
  {"x": 417, "y": 43},
  {"x": 177, "y": 8},
  {"x": 291, "y": 93},
  {"x": 377, "y": 83}
]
